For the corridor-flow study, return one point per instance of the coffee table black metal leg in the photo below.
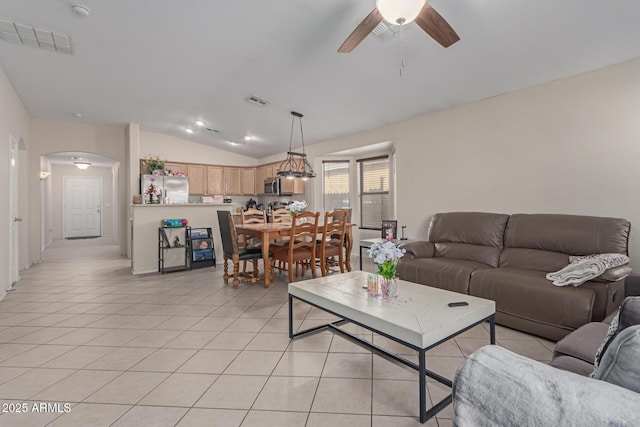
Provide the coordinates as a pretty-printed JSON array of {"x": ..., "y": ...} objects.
[
  {"x": 422, "y": 371},
  {"x": 492, "y": 329},
  {"x": 360, "y": 257},
  {"x": 290, "y": 316}
]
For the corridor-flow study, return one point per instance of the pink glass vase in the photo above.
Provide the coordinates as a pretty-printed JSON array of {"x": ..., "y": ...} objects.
[{"x": 388, "y": 287}]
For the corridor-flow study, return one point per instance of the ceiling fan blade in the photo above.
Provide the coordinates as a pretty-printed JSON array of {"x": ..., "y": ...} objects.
[
  {"x": 362, "y": 30},
  {"x": 435, "y": 25}
]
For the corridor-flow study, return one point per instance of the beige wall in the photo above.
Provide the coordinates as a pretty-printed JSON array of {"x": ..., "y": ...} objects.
[
  {"x": 182, "y": 150},
  {"x": 14, "y": 120},
  {"x": 57, "y": 206},
  {"x": 48, "y": 136},
  {"x": 571, "y": 146}
]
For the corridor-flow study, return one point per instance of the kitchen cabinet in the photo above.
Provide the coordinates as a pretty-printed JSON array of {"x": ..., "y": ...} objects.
[
  {"x": 175, "y": 168},
  {"x": 261, "y": 175},
  {"x": 291, "y": 186},
  {"x": 248, "y": 181},
  {"x": 215, "y": 180},
  {"x": 231, "y": 181},
  {"x": 271, "y": 170},
  {"x": 197, "y": 179}
]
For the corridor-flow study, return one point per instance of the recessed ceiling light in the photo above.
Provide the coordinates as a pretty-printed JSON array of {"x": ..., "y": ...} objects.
[
  {"x": 77, "y": 115},
  {"x": 233, "y": 142},
  {"x": 248, "y": 138},
  {"x": 199, "y": 123},
  {"x": 189, "y": 130},
  {"x": 76, "y": 158}
]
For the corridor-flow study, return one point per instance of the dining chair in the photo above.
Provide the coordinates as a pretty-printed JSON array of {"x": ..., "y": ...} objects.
[
  {"x": 233, "y": 251},
  {"x": 251, "y": 216},
  {"x": 254, "y": 216},
  {"x": 332, "y": 243},
  {"x": 348, "y": 242},
  {"x": 301, "y": 247},
  {"x": 281, "y": 216}
]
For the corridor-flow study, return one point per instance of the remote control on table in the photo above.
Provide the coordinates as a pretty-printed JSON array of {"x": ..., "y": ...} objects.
[{"x": 458, "y": 304}]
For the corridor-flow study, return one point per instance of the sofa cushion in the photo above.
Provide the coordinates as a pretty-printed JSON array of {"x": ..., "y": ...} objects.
[
  {"x": 571, "y": 364},
  {"x": 619, "y": 364},
  {"x": 533, "y": 259},
  {"x": 528, "y": 294},
  {"x": 582, "y": 343},
  {"x": 473, "y": 236},
  {"x": 567, "y": 234},
  {"x": 443, "y": 273}
]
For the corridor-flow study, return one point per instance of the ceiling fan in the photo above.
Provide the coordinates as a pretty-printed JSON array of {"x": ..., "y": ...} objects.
[{"x": 402, "y": 12}]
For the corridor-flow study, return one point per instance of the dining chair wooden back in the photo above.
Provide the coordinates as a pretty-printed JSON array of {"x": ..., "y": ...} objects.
[
  {"x": 254, "y": 216},
  {"x": 281, "y": 215},
  {"x": 301, "y": 247},
  {"x": 232, "y": 250},
  {"x": 332, "y": 243}
]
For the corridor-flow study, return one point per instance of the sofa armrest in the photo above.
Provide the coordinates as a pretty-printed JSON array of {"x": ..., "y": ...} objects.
[
  {"x": 494, "y": 386},
  {"x": 614, "y": 274},
  {"x": 418, "y": 249}
]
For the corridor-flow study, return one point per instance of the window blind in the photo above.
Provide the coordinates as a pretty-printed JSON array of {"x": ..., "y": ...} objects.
[
  {"x": 335, "y": 184},
  {"x": 373, "y": 192}
]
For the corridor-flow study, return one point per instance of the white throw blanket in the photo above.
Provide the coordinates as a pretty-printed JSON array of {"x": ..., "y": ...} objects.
[{"x": 584, "y": 268}]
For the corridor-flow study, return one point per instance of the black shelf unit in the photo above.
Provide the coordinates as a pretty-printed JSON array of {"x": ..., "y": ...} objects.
[
  {"x": 201, "y": 253},
  {"x": 167, "y": 243}
]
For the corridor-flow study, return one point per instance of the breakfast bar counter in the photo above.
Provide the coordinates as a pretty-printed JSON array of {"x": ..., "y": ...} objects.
[{"x": 145, "y": 221}]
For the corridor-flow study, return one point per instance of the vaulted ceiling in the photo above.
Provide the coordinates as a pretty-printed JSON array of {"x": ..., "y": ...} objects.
[{"x": 165, "y": 64}]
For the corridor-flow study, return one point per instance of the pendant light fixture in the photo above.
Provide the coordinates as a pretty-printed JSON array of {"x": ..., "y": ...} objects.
[{"x": 296, "y": 164}]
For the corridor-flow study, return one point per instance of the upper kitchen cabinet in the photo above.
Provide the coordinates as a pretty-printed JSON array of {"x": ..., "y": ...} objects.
[
  {"x": 261, "y": 175},
  {"x": 291, "y": 186},
  {"x": 215, "y": 180},
  {"x": 197, "y": 179},
  {"x": 248, "y": 181},
  {"x": 175, "y": 168},
  {"x": 232, "y": 181}
]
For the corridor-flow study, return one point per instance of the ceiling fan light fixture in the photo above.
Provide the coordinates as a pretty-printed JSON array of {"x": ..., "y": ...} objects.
[{"x": 400, "y": 12}]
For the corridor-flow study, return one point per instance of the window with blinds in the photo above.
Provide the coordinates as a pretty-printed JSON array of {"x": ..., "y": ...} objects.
[
  {"x": 335, "y": 184},
  {"x": 373, "y": 192}
]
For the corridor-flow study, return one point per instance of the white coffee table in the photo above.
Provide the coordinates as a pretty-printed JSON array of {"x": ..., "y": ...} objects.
[{"x": 419, "y": 318}]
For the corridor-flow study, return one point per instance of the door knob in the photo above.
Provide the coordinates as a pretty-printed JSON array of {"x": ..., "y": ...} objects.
[{"x": 17, "y": 219}]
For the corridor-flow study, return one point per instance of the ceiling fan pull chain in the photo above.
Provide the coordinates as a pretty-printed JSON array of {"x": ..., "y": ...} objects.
[{"x": 402, "y": 51}]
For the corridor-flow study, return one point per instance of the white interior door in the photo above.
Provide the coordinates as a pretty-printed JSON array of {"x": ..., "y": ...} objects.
[
  {"x": 14, "y": 219},
  {"x": 82, "y": 207}
]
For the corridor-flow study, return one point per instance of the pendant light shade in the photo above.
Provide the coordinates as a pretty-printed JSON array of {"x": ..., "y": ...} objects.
[
  {"x": 296, "y": 164},
  {"x": 400, "y": 12}
]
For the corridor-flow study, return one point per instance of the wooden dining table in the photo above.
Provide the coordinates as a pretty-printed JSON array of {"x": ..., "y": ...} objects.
[{"x": 267, "y": 231}]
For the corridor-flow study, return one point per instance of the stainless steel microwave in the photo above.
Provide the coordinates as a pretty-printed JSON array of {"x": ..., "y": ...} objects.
[{"x": 272, "y": 186}]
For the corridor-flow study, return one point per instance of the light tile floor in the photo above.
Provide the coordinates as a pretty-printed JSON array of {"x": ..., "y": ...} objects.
[{"x": 184, "y": 349}]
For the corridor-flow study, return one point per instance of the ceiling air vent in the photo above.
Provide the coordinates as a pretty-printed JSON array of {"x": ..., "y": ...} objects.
[
  {"x": 211, "y": 130},
  {"x": 256, "y": 100},
  {"x": 28, "y": 35}
]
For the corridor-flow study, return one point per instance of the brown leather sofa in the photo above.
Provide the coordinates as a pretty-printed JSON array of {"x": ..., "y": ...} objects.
[{"x": 505, "y": 258}]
